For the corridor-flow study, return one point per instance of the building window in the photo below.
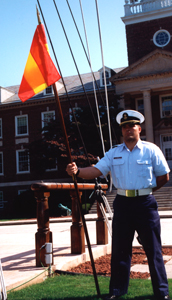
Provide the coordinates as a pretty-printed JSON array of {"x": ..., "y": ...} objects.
[
  {"x": 21, "y": 191},
  {"x": 167, "y": 138},
  {"x": 161, "y": 38},
  {"x": 107, "y": 75},
  {"x": 166, "y": 105},
  {"x": 0, "y": 128},
  {"x": 21, "y": 125},
  {"x": 47, "y": 117},
  {"x": 1, "y": 200},
  {"x": 168, "y": 153},
  {"x": 140, "y": 106},
  {"x": 51, "y": 165},
  {"x": 49, "y": 90},
  {"x": 22, "y": 158},
  {"x": 1, "y": 163}
]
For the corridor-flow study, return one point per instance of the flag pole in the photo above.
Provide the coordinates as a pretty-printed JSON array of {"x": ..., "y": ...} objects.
[{"x": 74, "y": 178}]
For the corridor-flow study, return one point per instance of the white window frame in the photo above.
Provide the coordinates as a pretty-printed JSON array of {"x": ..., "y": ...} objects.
[
  {"x": 161, "y": 111},
  {"x": 46, "y": 91},
  {"x": 2, "y": 173},
  {"x": 53, "y": 169},
  {"x": 1, "y": 200},
  {"x": 17, "y": 163},
  {"x": 102, "y": 84},
  {"x": 43, "y": 114},
  {"x": 16, "y": 125},
  {"x": 0, "y": 128},
  {"x": 137, "y": 107},
  {"x": 21, "y": 191},
  {"x": 158, "y": 32}
]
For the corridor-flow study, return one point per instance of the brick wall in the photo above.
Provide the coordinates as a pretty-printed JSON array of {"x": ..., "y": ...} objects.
[{"x": 140, "y": 37}]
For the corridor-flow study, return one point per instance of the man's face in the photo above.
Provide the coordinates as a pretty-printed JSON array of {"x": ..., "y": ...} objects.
[{"x": 131, "y": 132}]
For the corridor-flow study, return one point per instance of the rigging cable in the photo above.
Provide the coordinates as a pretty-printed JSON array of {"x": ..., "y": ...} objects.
[
  {"x": 76, "y": 189},
  {"x": 64, "y": 83},
  {"x": 102, "y": 208},
  {"x": 95, "y": 95},
  {"x": 76, "y": 65},
  {"x": 107, "y": 102},
  {"x": 85, "y": 52},
  {"x": 88, "y": 61}
]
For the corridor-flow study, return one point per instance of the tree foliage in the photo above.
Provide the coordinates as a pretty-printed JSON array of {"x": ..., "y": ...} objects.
[{"x": 83, "y": 136}]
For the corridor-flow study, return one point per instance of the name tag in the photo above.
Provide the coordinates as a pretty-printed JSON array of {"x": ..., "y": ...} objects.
[{"x": 117, "y": 157}]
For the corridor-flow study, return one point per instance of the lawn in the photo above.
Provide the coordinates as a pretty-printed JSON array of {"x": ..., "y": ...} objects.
[{"x": 81, "y": 287}]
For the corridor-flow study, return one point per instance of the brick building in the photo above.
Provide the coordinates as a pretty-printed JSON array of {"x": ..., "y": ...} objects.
[
  {"x": 21, "y": 123},
  {"x": 146, "y": 83}
]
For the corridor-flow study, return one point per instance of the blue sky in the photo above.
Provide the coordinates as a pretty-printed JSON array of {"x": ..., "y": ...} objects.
[{"x": 18, "y": 22}]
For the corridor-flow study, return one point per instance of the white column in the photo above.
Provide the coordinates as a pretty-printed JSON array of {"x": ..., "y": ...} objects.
[{"x": 148, "y": 115}]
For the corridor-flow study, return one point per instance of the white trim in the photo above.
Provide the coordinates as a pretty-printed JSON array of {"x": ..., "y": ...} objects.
[
  {"x": 136, "y": 103},
  {"x": 21, "y": 191},
  {"x": 47, "y": 112},
  {"x": 16, "y": 128},
  {"x": 1, "y": 128},
  {"x": 17, "y": 163},
  {"x": 102, "y": 77},
  {"x": 49, "y": 94},
  {"x": 1, "y": 193},
  {"x": 160, "y": 102},
  {"x": 147, "y": 16},
  {"x": 155, "y": 35},
  {"x": 1, "y": 153},
  {"x": 53, "y": 169}
]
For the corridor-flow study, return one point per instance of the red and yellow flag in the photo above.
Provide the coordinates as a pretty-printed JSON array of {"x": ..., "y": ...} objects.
[{"x": 40, "y": 71}]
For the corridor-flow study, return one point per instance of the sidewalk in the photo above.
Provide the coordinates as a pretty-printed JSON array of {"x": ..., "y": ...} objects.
[{"x": 17, "y": 248}]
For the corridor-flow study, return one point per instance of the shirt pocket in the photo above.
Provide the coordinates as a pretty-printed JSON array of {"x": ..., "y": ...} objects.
[
  {"x": 118, "y": 167},
  {"x": 144, "y": 167}
]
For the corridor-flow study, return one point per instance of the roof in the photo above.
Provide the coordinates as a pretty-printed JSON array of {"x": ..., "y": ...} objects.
[{"x": 73, "y": 86}]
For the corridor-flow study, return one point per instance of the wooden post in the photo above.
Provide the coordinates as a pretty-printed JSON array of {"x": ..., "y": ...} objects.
[
  {"x": 101, "y": 228},
  {"x": 77, "y": 229},
  {"x": 43, "y": 234}
]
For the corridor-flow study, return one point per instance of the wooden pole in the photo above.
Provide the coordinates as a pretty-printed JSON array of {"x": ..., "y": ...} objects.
[
  {"x": 76, "y": 187},
  {"x": 74, "y": 177}
]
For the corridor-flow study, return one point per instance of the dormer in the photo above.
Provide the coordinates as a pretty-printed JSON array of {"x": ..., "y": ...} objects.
[
  {"x": 49, "y": 90},
  {"x": 108, "y": 74},
  {"x": 5, "y": 94}
]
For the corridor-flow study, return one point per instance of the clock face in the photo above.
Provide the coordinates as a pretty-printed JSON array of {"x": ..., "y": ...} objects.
[{"x": 161, "y": 38}]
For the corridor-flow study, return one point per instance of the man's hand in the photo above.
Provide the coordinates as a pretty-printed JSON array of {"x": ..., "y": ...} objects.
[
  {"x": 86, "y": 173},
  {"x": 72, "y": 168},
  {"x": 160, "y": 181}
]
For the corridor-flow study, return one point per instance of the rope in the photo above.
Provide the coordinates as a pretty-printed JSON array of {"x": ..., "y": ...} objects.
[
  {"x": 76, "y": 65},
  {"x": 82, "y": 141},
  {"x": 100, "y": 94},
  {"x": 95, "y": 95},
  {"x": 107, "y": 102}
]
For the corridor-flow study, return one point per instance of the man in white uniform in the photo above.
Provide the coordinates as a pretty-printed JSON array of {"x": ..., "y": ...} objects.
[{"x": 137, "y": 168}]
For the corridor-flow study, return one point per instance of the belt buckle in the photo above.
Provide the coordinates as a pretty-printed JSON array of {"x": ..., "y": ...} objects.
[{"x": 130, "y": 193}]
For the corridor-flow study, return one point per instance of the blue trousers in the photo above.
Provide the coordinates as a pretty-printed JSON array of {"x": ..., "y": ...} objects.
[{"x": 136, "y": 214}]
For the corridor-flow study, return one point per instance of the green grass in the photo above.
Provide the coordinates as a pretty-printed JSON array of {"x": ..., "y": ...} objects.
[{"x": 81, "y": 287}]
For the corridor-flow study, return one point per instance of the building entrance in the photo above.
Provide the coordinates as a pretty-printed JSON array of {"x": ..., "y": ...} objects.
[{"x": 167, "y": 148}]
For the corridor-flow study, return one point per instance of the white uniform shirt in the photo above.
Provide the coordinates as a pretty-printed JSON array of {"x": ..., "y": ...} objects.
[{"x": 136, "y": 169}]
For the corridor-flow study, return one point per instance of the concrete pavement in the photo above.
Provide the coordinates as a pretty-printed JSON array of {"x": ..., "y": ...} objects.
[{"x": 17, "y": 248}]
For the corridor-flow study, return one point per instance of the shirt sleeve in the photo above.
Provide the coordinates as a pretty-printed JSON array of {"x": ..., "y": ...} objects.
[
  {"x": 160, "y": 165},
  {"x": 104, "y": 165}
]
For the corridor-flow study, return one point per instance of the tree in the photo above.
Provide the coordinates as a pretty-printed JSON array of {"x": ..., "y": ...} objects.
[{"x": 44, "y": 152}]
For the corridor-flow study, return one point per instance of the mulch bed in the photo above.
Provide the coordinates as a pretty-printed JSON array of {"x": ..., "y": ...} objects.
[{"x": 102, "y": 264}]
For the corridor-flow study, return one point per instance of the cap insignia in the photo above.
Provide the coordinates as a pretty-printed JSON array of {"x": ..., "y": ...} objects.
[{"x": 125, "y": 116}]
